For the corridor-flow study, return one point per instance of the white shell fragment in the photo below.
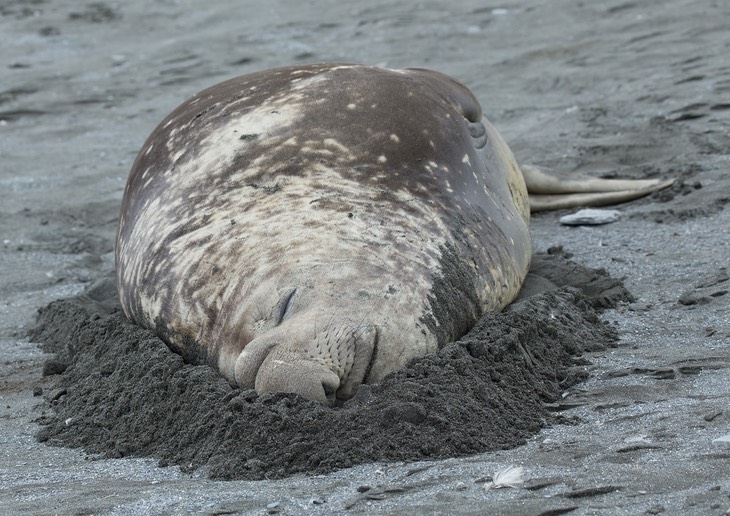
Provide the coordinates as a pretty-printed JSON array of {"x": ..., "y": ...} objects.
[
  {"x": 590, "y": 217},
  {"x": 722, "y": 441},
  {"x": 510, "y": 476}
]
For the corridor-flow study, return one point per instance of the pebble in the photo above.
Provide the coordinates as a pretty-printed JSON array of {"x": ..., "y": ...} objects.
[
  {"x": 590, "y": 217},
  {"x": 640, "y": 307},
  {"x": 692, "y": 297}
]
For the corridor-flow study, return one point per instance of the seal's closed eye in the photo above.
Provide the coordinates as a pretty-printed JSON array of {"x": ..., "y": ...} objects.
[{"x": 283, "y": 306}]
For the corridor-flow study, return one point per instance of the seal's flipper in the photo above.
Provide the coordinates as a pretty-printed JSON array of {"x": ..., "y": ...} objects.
[
  {"x": 548, "y": 192},
  {"x": 562, "y": 201}
]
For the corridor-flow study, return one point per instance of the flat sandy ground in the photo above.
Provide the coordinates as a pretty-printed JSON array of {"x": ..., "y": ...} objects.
[{"x": 611, "y": 89}]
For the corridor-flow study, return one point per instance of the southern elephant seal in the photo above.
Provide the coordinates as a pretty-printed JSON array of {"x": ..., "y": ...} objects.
[{"x": 308, "y": 229}]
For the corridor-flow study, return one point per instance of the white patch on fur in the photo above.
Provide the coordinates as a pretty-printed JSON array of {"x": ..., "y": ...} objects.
[
  {"x": 331, "y": 142},
  {"x": 342, "y": 67}
]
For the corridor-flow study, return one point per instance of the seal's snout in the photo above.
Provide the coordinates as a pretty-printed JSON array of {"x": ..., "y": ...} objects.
[
  {"x": 328, "y": 368},
  {"x": 281, "y": 373}
]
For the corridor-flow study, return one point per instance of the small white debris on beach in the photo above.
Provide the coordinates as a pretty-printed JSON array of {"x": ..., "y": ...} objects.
[
  {"x": 510, "y": 476},
  {"x": 722, "y": 441},
  {"x": 590, "y": 217}
]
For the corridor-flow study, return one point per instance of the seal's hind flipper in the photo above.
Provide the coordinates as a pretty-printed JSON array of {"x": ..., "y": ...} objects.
[
  {"x": 562, "y": 201},
  {"x": 548, "y": 192}
]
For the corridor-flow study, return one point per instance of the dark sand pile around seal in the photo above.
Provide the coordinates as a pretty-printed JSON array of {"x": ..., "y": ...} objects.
[{"x": 121, "y": 392}]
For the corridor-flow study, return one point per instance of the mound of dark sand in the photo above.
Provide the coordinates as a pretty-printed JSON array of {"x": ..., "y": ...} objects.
[{"x": 119, "y": 391}]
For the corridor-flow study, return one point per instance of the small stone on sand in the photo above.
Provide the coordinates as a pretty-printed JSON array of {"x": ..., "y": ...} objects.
[{"x": 590, "y": 217}]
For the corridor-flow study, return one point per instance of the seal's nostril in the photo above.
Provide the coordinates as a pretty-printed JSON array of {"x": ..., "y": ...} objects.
[{"x": 329, "y": 390}]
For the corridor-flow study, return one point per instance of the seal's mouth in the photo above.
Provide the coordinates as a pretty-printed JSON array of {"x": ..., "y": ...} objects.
[{"x": 373, "y": 357}]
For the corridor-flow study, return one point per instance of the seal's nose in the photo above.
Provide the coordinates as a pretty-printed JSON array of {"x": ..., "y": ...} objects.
[
  {"x": 330, "y": 391},
  {"x": 282, "y": 372}
]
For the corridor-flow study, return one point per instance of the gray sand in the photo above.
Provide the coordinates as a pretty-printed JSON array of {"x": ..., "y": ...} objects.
[{"x": 618, "y": 89}]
